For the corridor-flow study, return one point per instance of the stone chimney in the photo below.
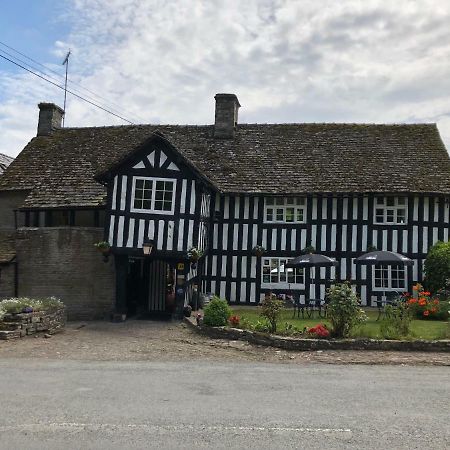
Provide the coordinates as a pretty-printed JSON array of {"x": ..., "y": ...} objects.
[
  {"x": 50, "y": 118},
  {"x": 227, "y": 106}
]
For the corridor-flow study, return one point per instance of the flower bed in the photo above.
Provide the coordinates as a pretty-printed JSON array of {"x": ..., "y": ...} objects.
[{"x": 20, "y": 317}]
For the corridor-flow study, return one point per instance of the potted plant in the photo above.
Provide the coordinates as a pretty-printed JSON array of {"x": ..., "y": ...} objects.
[
  {"x": 104, "y": 248},
  {"x": 258, "y": 250},
  {"x": 194, "y": 254}
]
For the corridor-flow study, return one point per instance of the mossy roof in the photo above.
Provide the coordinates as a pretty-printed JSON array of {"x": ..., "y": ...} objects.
[{"x": 60, "y": 169}]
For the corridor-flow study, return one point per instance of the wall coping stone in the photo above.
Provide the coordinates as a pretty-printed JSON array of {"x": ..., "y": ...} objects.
[{"x": 302, "y": 344}]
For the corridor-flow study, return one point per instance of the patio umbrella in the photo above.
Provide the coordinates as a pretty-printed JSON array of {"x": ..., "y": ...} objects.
[
  {"x": 383, "y": 257},
  {"x": 312, "y": 260}
]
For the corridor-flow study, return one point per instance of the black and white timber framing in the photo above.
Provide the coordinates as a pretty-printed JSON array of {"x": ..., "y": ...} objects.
[
  {"x": 216, "y": 180},
  {"x": 228, "y": 227}
]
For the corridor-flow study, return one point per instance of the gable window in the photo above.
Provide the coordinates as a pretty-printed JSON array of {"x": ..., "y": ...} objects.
[
  {"x": 153, "y": 195},
  {"x": 387, "y": 278},
  {"x": 275, "y": 274},
  {"x": 285, "y": 210},
  {"x": 390, "y": 210}
]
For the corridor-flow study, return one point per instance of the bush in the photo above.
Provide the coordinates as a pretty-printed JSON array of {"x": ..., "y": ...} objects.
[
  {"x": 397, "y": 321},
  {"x": 343, "y": 309},
  {"x": 263, "y": 326},
  {"x": 271, "y": 309},
  {"x": 426, "y": 306},
  {"x": 24, "y": 304},
  {"x": 437, "y": 266},
  {"x": 217, "y": 313}
]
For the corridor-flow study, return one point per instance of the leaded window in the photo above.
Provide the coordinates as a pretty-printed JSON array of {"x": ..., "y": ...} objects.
[
  {"x": 389, "y": 278},
  {"x": 275, "y": 272},
  {"x": 154, "y": 195},
  {"x": 285, "y": 210},
  {"x": 391, "y": 210}
]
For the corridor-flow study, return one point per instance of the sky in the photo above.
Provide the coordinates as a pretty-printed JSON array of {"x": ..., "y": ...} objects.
[{"x": 162, "y": 61}]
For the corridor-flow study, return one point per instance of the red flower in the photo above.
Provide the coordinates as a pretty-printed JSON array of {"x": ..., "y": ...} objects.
[
  {"x": 234, "y": 320},
  {"x": 412, "y": 301},
  {"x": 436, "y": 301},
  {"x": 426, "y": 293},
  {"x": 426, "y": 313}
]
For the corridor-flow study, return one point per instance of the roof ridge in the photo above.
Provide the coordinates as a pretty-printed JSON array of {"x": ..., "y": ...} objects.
[{"x": 343, "y": 124}]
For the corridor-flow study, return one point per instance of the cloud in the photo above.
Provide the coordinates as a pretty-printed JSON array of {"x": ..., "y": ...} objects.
[{"x": 162, "y": 61}]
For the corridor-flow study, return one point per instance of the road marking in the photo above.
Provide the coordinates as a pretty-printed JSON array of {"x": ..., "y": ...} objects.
[{"x": 75, "y": 426}]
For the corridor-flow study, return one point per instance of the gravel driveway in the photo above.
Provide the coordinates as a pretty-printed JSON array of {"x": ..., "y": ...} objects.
[{"x": 136, "y": 340}]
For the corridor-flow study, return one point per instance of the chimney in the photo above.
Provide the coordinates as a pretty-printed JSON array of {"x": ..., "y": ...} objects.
[
  {"x": 227, "y": 106},
  {"x": 50, "y": 118}
]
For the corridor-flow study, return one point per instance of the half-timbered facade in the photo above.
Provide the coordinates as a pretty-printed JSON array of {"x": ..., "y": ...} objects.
[{"x": 226, "y": 188}]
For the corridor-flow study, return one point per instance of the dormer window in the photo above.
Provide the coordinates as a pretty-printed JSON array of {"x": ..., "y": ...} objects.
[
  {"x": 390, "y": 210},
  {"x": 153, "y": 195},
  {"x": 285, "y": 210}
]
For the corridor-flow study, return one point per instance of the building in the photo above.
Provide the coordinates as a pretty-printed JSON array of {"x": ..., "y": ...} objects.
[{"x": 222, "y": 189}]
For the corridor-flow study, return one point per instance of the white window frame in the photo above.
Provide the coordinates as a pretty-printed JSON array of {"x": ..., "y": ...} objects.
[
  {"x": 389, "y": 287},
  {"x": 280, "y": 284},
  {"x": 154, "y": 180},
  {"x": 395, "y": 209},
  {"x": 285, "y": 203}
]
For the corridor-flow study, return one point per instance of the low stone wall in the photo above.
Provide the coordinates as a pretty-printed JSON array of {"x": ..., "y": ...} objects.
[
  {"x": 14, "y": 326},
  {"x": 299, "y": 344}
]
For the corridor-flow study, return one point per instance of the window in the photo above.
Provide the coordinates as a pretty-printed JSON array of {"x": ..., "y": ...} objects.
[
  {"x": 285, "y": 210},
  {"x": 275, "y": 272},
  {"x": 387, "y": 278},
  {"x": 155, "y": 195},
  {"x": 391, "y": 210}
]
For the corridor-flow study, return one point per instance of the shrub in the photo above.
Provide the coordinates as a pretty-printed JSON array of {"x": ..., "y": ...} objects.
[
  {"x": 271, "y": 309},
  {"x": 216, "y": 313},
  {"x": 437, "y": 266},
  {"x": 25, "y": 304},
  {"x": 262, "y": 326},
  {"x": 343, "y": 309},
  {"x": 426, "y": 306},
  {"x": 291, "y": 330},
  {"x": 246, "y": 324},
  {"x": 397, "y": 320}
]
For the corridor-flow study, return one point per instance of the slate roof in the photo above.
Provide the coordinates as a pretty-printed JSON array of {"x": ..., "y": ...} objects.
[
  {"x": 7, "y": 246},
  {"x": 277, "y": 159},
  {"x": 5, "y": 161}
]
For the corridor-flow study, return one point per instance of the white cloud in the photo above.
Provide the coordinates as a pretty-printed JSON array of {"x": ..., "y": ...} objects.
[{"x": 288, "y": 61}]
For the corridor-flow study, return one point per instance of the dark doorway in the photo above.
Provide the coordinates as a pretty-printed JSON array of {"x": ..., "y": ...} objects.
[{"x": 150, "y": 288}]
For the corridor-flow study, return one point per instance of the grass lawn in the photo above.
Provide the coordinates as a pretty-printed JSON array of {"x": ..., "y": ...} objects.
[{"x": 421, "y": 329}]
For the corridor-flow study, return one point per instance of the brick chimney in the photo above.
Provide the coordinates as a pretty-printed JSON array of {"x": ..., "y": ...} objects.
[
  {"x": 50, "y": 118},
  {"x": 227, "y": 106}
]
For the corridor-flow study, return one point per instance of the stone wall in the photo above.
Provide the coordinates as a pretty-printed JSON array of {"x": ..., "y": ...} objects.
[
  {"x": 7, "y": 280},
  {"x": 14, "y": 326},
  {"x": 302, "y": 344},
  {"x": 9, "y": 201},
  {"x": 63, "y": 262}
]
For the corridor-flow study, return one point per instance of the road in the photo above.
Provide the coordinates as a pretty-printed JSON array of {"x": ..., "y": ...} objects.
[{"x": 121, "y": 405}]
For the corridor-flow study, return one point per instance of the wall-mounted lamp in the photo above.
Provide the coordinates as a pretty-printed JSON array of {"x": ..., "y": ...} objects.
[{"x": 147, "y": 246}]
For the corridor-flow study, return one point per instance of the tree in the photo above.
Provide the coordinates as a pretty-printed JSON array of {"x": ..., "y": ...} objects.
[{"x": 437, "y": 266}]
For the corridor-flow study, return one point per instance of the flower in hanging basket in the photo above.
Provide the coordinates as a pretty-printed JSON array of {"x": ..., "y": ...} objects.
[
  {"x": 103, "y": 247},
  {"x": 194, "y": 254},
  {"x": 258, "y": 250}
]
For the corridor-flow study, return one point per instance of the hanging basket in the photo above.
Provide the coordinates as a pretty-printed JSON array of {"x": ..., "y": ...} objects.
[{"x": 258, "y": 251}]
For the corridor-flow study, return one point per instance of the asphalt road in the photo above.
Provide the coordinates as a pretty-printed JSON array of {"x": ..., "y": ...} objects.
[{"x": 183, "y": 405}]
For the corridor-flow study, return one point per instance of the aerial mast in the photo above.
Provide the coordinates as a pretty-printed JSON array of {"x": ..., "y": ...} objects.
[{"x": 65, "y": 63}]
